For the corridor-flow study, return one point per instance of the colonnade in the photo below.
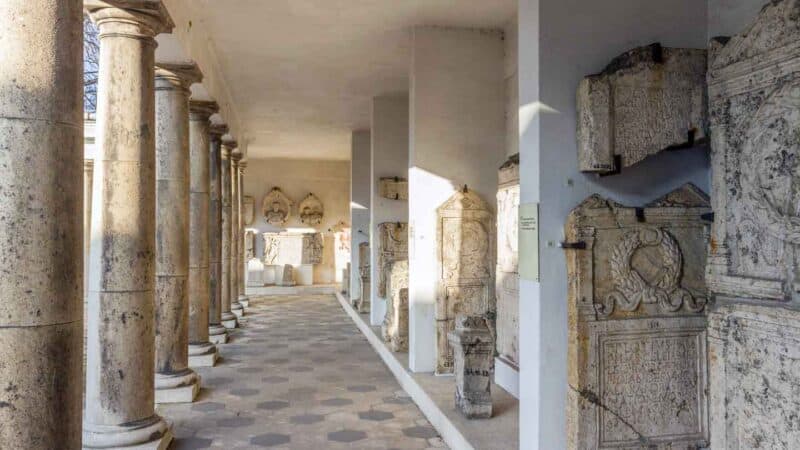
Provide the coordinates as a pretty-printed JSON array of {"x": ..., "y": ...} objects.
[{"x": 163, "y": 229}]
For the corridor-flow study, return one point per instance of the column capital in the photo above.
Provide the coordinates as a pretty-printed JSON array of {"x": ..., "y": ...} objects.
[
  {"x": 242, "y": 166},
  {"x": 201, "y": 110},
  {"x": 135, "y": 18},
  {"x": 236, "y": 156},
  {"x": 217, "y": 131},
  {"x": 228, "y": 146},
  {"x": 177, "y": 75}
]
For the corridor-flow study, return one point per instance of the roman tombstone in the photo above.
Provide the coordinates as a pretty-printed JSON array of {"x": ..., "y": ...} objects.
[
  {"x": 507, "y": 271},
  {"x": 473, "y": 350},
  {"x": 754, "y": 327},
  {"x": 392, "y": 246},
  {"x": 395, "y": 323},
  {"x": 465, "y": 260},
  {"x": 637, "y": 331},
  {"x": 645, "y": 101},
  {"x": 363, "y": 302}
]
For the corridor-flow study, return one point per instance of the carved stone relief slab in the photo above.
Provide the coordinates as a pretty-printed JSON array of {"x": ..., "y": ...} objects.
[
  {"x": 249, "y": 245},
  {"x": 312, "y": 248},
  {"x": 647, "y": 100},
  {"x": 248, "y": 210},
  {"x": 507, "y": 276},
  {"x": 393, "y": 188},
  {"x": 637, "y": 332},
  {"x": 465, "y": 256},
  {"x": 754, "y": 102},
  {"x": 473, "y": 350},
  {"x": 393, "y": 246},
  {"x": 284, "y": 275},
  {"x": 363, "y": 302},
  {"x": 293, "y": 248},
  {"x": 276, "y": 207},
  {"x": 311, "y": 210},
  {"x": 395, "y": 323}
]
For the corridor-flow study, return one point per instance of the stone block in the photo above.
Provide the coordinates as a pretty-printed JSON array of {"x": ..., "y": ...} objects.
[
  {"x": 473, "y": 350},
  {"x": 393, "y": 188}
]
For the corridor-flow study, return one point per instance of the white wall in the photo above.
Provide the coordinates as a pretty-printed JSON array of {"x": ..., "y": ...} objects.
[
  {"x": 564, "y": 40},
  {"x": 389, "y": 159},
  {"x": 360, "y": 166},
  {"x": 328, "y": 180},
  {"x": 457, "y": 137}
]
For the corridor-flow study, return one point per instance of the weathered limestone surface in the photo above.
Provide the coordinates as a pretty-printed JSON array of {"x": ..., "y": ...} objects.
[
  {"x": 284, "y": 275},
  {"x": 393, "y": 188},
  {"x": 249, "y": 245},
  {"x": 465, "y": 253},
  {"x": 216, "y": 332},
  {"x": 228, "y": 318},
  {"x": 473, "y": 349},
  {"x": 41, "y": 153},
  {"x": 248, "y": 209},
  {"x": 244, "y": 300},
  {"x": 395, "y": 324},
  {"x": 311, "y": 210},
  {"x": 293, "y": 248},
  {"x": 507, "y": 276},
  {"x": 201, "y": 351},
  {"x": 364, "y": 299},
  {"x": 175, "y": 381},
  {"x": 754, "y": 102},
  {"x": 392, "y": 246},
  {"x": 647, "y": 100},
  {"x": 237, "y": 261},
  {"x": 276, "y": 207},
  {"x": 637, "y": 337},
  {"x": 120, "y": 364}
]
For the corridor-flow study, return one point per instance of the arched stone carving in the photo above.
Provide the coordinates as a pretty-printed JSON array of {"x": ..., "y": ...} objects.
[
  {"x": 465, "y": 258},
  {"x": 276, "y": 207},
  {"x": 311, "y": 210}
]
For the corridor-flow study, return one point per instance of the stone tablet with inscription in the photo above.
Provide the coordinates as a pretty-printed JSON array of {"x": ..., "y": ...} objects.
[{"x": 637, "y": 356}]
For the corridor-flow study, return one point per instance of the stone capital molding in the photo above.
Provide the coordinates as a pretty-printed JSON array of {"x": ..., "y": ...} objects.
[
  {"x": 236, "y": 156},
  {"x": 177, "y": 75},
  {"x": 134, "y": 18},
  {"x": 201, "y": 110},
  {"x": 217, "y": 131}
]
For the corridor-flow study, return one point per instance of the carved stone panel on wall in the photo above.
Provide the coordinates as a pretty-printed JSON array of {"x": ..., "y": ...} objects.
[
  {"x": 311, "y": 210},
  {"x": 637, "y": 332},
  {"x": 276, "y": 207},
  {"x": 507, "y": 276},
  {"x": 465, "y": 260},
  {"x": 393, "y": 188},
  {"x": 248, "y": 210},
  {"x": 312, "y": 248},
  {"x": 754, "y": 260},
  {"x": 293, "y": 248},
  {"x": 647, "y": 100},
  {"x": 392, "y": 246},
  {"x": 395, "y": 323}
]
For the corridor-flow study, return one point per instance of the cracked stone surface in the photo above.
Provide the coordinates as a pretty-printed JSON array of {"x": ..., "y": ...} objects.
[{"x": 256, "y": 398}]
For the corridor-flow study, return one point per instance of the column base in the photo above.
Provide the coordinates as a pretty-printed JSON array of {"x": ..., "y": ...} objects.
[
  {"x": 149, "y": 434},
  {"x": 217, "y": 334},
  {"x": 229, "y": 320},
  {"x": 181, "y": 387},
  {"x": 202, "y": 355},
  {"x": 244, "y": 301},
  {"x": 237, "y": 309}
]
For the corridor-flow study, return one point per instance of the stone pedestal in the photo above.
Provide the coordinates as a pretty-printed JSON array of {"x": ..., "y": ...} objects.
[
  {"x": 228, "y": 318},
  {"x": 120, "y": 365},
  {"x": 284, "y": 275},
  {"x": 217, "y": 333},
  {"x": 395, "y": 324},
  {"x": 304, "y": 274},
  {"x": 41, "y": 156},
  {"x": 236, "y": 236},
  {"x": 473, "y": 351}
]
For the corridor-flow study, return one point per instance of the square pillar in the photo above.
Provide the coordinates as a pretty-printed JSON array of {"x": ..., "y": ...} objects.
[{"x": 359, "y": 203}]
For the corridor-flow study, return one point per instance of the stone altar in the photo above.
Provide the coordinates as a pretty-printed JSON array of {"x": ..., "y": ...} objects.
[
  {"x": 473, "y": 349},
  {"x": 754, "y": 327},
  {"x": 395, "y": 324},
  {"x": 393, "y": 188},
  {"x": 507, "y": 271},
  {"x": 276, "y": 207},
  {"x": 311, "y": 210},
  {"x": 645, "y": 101},
  {"x": 465, "y": 253},
  {"x": 637, "y": 333},
  {"x": 363, "y": 302},
  {"x": 392, "y": 246},
  {"x": 292, "y": 248}
]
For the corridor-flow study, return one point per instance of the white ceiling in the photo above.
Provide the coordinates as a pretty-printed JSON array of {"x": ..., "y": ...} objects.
[{"x": 301, "y": 73}]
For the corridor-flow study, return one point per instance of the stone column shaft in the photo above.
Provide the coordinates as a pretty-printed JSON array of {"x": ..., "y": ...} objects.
[
  {"x": 217, "y": 332},
  {"x": 201, "y": 351},
  {"x": 41, "y": 152},
  {"x": 228, "y": 319},
  {"x": 244, "y": 300},
  {"x": 120, "y": 364},
  {"x": 236, "y": 235},
  {"x": 175, "y": 381}
]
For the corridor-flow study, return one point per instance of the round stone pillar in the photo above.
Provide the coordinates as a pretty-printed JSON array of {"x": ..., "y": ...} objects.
[
  {"x": 121, "y": 330},
  {"x": 236, "y": 234},
  {"x": 216, "y": 332},
  {"x": 41, "y": 152},
  {"x": 228, "y": 319},
  {"x": 175, "y": 381},
  {"x": 244, "y": 300},
  {"x": 202, "y": 353}
]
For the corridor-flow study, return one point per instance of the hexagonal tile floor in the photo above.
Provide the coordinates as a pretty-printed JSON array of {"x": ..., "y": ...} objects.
[{"x": 298, "y": 375}]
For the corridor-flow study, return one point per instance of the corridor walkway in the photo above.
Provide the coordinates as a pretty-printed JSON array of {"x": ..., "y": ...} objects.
[{"x": 299, "y": 375}]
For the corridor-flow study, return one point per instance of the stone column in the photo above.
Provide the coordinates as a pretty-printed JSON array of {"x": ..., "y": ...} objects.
[
  {"x": 244, "y": 300},
  {"x": 201, "y": 351},
  {"x": 228, "y": 319},
  {"x": 175, "y": 381},
  {"x": 216, "y": 332},
  {"x": 88, "y": 176},
  {"x": 41, "y": 150},
  {"x": 236, "y": 234},
  {"x": 120, "y": 367}
]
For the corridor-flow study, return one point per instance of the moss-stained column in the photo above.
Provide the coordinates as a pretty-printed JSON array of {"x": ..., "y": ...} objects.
[
  {"x": 175, "y": 381},
  {"x": 244, "y": 300},
  {"x": 228, "y": 319},
  {"x": 216, "y": 332},
  {"x": 201, "y": 351},
  {"x": 236, "y": 234},
  {"x": 41, "y": 152},
  {"x": 120, "y": 364}
]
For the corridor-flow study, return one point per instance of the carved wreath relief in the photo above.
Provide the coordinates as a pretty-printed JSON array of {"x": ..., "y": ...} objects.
[{"x": 276, "y": 208}]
